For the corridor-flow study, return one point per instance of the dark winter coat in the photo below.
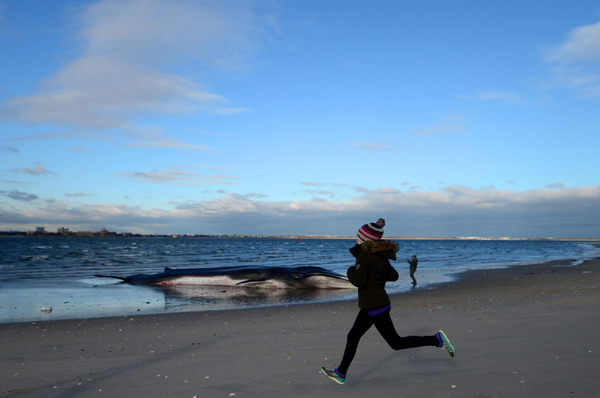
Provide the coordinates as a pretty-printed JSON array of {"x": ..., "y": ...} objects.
[
  {"x": 413, "y": 264},
  {"x": 372, "y": 271}
]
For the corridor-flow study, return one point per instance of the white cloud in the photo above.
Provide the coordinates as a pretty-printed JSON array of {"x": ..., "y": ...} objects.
[
  {"x": 180, "y": 177},
  {"x": 556, "y": 185},
  {"x": 138, "y": 136},
  {"x": 506, "y": 97},
  {"x": 8, "y": 148},
  {"x": 320, "y": 184},
  {"x": 104, "y": 93},
  {"x": 38, "y": 170},
  {"x": 129, "y": 48},
  {"x": 220, "y": 33},
  {"x": 19, "y": 195},
  {"x": 437, "y": 130},
  {"x": 45, "y": 136},
  {"x": 80, "y": 149},
  {"x": 197, "y": 166},
  {"x": 368, "y": 145},
  {"x": 582, "y": 45},
  {"x": 576, "y": 62},
  {"x": 156, "y": 138},
  {"x": 18, "y": 182},
  {"x": 320, "y": 192},
  {"x": 313, "y": 184},
  {"x": 256, "y": 195},
  {"x": 452, "y": 124},
  {"x": 388, "y": 190}
]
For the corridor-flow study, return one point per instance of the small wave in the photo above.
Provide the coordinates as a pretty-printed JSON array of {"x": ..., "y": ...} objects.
[{"x": 42, "y": 257}]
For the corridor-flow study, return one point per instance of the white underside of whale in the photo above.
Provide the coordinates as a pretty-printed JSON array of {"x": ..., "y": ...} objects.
[{"x": 317, "y": 281}]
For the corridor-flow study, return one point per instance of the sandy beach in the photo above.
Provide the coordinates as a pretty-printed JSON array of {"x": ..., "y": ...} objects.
[{"x": 527, "y": 331}]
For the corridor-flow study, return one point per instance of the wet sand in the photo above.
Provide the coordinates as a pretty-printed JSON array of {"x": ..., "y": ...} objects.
[{"x": 527, "y": 331}]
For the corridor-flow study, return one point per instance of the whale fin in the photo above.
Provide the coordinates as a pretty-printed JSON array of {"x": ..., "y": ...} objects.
[
  {"x": 328, "y": 275},
  {"x": 251, "y": 281},
  {"x": 110, "y": 276}
]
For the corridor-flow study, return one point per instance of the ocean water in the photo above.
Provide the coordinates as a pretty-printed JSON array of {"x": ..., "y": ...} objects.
[{"x": 55, "y": 272}]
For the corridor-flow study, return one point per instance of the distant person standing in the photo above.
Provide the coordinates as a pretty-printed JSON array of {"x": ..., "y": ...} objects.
[
  {"x": 370, "y": 273},
  {"x": 413, "y": 268}
]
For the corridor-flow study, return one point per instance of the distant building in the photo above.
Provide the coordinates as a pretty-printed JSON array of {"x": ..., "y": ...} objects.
[
  {"x": 63, "y": 231},
  {"x": 40, "y": 230},
  {"x": 105, "y": 232}
]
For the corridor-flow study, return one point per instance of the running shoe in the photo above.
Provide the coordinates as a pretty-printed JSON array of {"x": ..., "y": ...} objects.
[
  {"x": 333, "y": 375},
  {"x": 446, "y": 344}
]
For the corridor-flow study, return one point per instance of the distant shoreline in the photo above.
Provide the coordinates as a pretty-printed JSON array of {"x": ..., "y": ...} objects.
[{"x": 294, "y": 237}]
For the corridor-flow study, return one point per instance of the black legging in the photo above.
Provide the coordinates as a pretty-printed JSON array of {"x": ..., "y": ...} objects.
[{"x": 384, "y": 325}]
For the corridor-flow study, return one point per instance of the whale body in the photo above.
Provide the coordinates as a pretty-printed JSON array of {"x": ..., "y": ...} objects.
[{"x": 268, "y": 277}]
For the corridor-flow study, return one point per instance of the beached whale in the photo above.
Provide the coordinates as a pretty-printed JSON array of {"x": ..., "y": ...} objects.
[{"x": 268, "y": 277}]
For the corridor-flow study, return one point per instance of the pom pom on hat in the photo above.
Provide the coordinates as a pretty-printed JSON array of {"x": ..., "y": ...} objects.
[{"x": 371, "y": 231}]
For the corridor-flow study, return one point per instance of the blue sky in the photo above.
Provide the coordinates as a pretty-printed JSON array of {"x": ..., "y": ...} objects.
[{"x": 462, "y": 118}]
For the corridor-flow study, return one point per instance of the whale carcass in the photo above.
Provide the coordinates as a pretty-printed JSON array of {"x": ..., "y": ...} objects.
[{"x": 267, "y": 277}]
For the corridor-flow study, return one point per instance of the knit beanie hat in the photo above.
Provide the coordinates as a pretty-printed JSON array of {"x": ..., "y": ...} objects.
[{"x": 371, "y": 231}]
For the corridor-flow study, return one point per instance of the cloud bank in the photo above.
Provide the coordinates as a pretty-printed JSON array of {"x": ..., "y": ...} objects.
[{"x": 453, "y": 211}]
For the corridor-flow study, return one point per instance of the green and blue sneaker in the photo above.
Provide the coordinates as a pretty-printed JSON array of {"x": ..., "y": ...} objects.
[
  {"x": 334, "y": 375},
  {"x": 445, "y": 343}
]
